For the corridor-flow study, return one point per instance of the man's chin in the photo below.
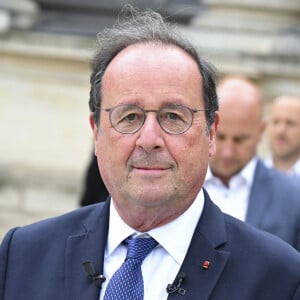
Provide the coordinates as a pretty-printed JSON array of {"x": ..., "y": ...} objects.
[{"x": 151, "y": 197}]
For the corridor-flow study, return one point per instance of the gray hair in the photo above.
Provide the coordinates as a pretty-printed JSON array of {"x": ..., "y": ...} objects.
[{"x": 146, "y": 27}]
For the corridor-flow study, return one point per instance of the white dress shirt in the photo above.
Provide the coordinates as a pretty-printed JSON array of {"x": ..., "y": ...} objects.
[
  {"x": 294, "y": 170},
  {"x": 234, "y": 199},
  {"x": 161, "y": 266}
]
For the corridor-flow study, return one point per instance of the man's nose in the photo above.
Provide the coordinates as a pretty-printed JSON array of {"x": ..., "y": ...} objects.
[
  {"x": 151, "y": 134},
  {"x": 227, "y": 148}
]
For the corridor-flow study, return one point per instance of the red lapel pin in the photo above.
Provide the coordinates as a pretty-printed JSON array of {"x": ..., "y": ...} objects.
[{"x": 206, "y": 264}]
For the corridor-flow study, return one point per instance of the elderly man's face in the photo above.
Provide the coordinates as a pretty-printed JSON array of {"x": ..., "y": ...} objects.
[{"x": 151, "y": 170}]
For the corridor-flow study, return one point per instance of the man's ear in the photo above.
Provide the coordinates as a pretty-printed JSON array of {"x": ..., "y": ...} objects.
[
  {"x": 262, "y": 129},
  {"x": 93, "y": 126},
  {"x": 212, "y": 136}
]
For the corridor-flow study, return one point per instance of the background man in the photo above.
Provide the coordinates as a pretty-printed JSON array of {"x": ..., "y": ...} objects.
[
  {"x": 237, "y": 180},
  {"x": 284, "y": 134},
  {"x": 153, "y": 102}
]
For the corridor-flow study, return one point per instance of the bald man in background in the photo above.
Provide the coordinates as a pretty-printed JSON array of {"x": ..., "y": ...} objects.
[
  {"x": 284, "y": 135},
  {"x": 238, "y": 181}
]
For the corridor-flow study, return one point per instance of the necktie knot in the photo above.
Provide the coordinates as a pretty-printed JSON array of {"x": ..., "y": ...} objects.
[
  {"x": 127, "y": 282},
  {"x": 139, "y": 248}
]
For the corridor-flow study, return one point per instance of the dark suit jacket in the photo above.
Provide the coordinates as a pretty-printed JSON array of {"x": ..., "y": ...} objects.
[
  {"x": 274, "y": 204},
  {"x": 43, "y": 261}
]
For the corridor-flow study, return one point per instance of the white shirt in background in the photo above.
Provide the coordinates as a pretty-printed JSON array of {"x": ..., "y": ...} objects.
[
  {"x": 295, "y": 169},
  {"x": 234, "y": 199}
]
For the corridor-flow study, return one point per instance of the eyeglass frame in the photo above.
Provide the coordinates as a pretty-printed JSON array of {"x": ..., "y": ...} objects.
[{"x": 145, "y": 111}]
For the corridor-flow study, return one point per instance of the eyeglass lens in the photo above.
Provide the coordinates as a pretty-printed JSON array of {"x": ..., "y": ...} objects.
[{"x": 174, "y": 119}]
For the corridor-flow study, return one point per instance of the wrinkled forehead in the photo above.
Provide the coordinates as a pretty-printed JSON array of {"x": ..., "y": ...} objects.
[
  {"x": 156, "y": 55},
  {"x": 154, "y": 68}
]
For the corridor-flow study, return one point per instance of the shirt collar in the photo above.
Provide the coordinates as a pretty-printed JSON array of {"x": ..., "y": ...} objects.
[
  {"x": 248, "y": 171},
  {"x": 295, "y": 169},
  {"x": 167, "y": 235},
  {"x": 269, "y": 162},
  {"x": 246, "y": 174},
  {"x": 118, "y": 230}
]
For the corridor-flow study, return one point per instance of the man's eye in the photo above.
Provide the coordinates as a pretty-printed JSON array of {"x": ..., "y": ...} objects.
[
  {"x": 220, "y": 137},
  {"x": 130, "y": 117},
  {"x": 173, "y": 116}
]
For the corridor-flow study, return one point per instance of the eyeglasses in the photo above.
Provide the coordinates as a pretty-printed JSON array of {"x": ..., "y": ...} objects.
[{"x": 172, "y": 118}]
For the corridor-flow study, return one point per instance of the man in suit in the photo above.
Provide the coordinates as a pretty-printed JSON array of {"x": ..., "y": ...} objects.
[
  {"x": 284, "y": 135},
  {"x": 237, "y": 180},
  {"x": 154, "y": 117}
]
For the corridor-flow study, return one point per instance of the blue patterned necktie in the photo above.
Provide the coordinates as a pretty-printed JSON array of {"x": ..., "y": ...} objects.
[{"x": 127, "y": 281}]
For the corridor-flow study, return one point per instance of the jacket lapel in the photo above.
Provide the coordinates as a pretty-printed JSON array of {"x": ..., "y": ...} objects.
[
  {"x": 260, "y": 196},
  {"x": 204, "y": 262},
  {"x": 86, "y": 246},
  {"x": 89, "y": 245}
]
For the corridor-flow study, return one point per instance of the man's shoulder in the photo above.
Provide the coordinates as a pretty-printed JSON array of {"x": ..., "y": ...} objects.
[
  {"x": 71, "y": 223},
  {"x": 275, "y": 179},
  {"x": 258, "y": 245}
]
